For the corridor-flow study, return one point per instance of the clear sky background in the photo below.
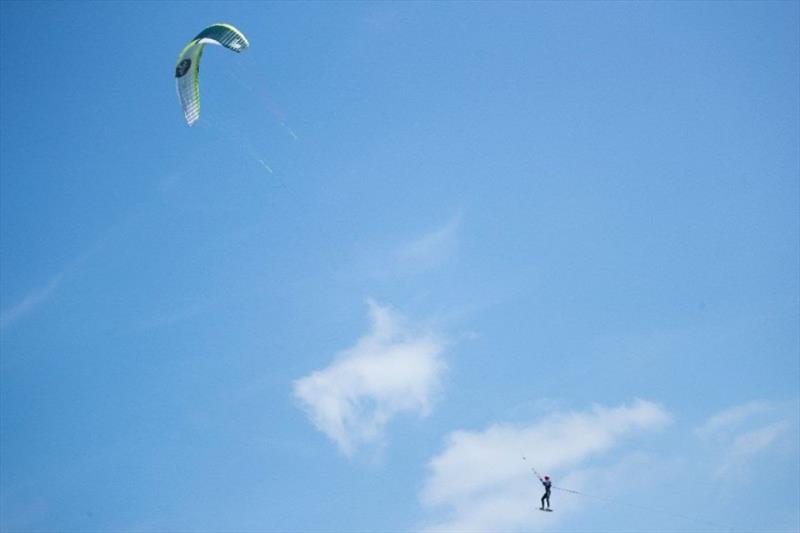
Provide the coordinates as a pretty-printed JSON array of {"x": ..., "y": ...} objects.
[{"x": 406, "y": 245}]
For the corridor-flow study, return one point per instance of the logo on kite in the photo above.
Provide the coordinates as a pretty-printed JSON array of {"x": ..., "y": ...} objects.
[{"x": 183, "y": 67}]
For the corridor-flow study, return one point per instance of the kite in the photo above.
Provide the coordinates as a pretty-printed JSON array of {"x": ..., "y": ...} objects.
[{"x": 187, "y": 71}]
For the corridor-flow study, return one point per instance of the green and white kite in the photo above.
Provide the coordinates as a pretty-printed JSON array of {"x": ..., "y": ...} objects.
[{"x": 187, "y": 71}]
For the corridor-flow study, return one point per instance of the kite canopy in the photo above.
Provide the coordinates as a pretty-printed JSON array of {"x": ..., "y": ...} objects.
[{"x": 187, "y": 70}]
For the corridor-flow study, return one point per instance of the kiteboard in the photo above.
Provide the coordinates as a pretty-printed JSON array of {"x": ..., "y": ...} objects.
[{"x": 545, "y": 510}]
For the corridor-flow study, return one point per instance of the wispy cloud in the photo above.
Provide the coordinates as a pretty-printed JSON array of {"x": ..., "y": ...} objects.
[
  {"x": 30, "y": 301},
  {"x": 430, "y": 250},
  {"x": 752, "y": 442},
  {"x": 388, "y": 371},
  {"x": 420, "y": 254},
  {"x": 732, "y": 417},
  {"x": 481, "y": 483},
  {"x": 38, "y": 296},
  {"x": 174, "y": 316},
  {"x": 742, "y": 432}
]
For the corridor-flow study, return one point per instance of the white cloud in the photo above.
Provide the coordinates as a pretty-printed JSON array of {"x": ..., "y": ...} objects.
[
  {"x": 482, "y": 484},
  {"x": 388, "y": 371}
]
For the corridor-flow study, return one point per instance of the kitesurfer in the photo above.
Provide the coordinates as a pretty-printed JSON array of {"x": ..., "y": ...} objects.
[{"x": 547, "y": 486}]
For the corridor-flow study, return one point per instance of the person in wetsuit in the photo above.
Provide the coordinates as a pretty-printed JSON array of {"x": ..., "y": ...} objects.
[{"x": 547, "y": 486}]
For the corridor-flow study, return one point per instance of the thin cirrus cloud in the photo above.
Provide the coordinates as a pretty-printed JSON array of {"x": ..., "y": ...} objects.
[
  {"x": 480, "y": 483},
  {"x": 755, "y": 441},
  {"x": 30, "y": 302},
  {"x": 39, "y": 296},
  {"x": 732, "y": 417},
  {"x": 388, "y": 371},
  {"x": 742, "y": 432},
  {"x": 430, "y": 250},
  {"x": 422, "y": 254}
]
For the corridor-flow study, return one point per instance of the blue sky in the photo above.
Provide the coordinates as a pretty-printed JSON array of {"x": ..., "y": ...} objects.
[{"x": 406, "y": 245}]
